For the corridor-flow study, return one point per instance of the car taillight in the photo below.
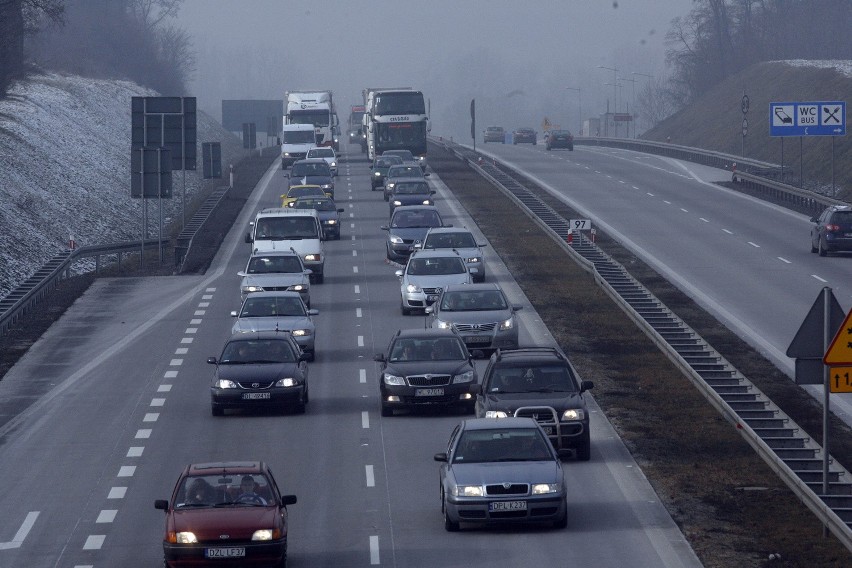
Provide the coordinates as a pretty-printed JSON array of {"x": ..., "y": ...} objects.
[{"x": 832, "y": 228}]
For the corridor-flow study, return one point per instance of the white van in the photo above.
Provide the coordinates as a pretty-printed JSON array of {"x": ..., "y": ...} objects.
[
  {"x": 277, "y": 228},
  {"x": 296, "y": 140}
]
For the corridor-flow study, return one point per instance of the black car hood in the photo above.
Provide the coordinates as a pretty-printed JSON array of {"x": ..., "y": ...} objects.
[
  {"x": 559, "y": 401},
  {"x": 257, "y": 371},
  {"x": 405, "y": 368},
  {"x": 411, "y": 233}
]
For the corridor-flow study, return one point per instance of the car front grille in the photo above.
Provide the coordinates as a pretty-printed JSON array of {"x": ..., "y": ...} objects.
[
  {"x": 510, "y": 489},
  {"x": 428, "y": 380},
  {"x": 465, "y": 327},
  {"x": 432, "y": 290},
  {"x": 256, "y": 385}
]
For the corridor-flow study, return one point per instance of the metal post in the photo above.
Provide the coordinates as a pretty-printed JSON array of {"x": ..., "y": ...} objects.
[
  {"x": 231, "y": 176},
  {"x": 183, "y": 164},
  {"x": 782, "y": 159},
  {"x": 833, "y": 190},
  {"x": 827, "y": 336},
  {"x": 801, "y": 161}
]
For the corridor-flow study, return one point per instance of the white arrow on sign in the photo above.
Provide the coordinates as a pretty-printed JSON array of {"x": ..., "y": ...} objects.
[{"x": 22, "y": 533}]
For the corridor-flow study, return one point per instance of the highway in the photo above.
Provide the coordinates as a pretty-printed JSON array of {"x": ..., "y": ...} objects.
[
  {"x": 746, "y": 261},
  {"x": 127, "y": 407}
]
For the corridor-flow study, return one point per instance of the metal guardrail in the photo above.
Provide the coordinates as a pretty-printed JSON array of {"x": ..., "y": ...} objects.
[
  {"x": 35, "y": 288},
  {"x": 774, "y": 436},
  {"x": 802, "y": 199}
]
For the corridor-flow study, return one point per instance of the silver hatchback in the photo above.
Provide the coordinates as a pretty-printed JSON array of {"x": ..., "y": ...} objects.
[
  {"x": 479, "y": 313},
  {"x": 426, "y": 275},
  {"x": 462, "y": 241}
]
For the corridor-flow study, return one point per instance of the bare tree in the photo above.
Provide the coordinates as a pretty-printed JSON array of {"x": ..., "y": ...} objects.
[{"x": 17, "y": 19}]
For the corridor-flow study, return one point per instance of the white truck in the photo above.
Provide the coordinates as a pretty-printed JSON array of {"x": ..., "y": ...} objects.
[
  {"x": 317, "y": 109},
  {"x": 296, "y": 140},
  {"x": 395, "y": 119}
]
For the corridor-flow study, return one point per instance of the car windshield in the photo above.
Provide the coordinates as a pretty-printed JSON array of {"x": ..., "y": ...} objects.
[
  {"x": 299, "y": 137},
  {"x": 436, "y": 266},
  {"x": 405, "y": 171},
  {"x": 415, "y": 219},
  {"x": 280, "y": 228},
  {"x": 501, "y": 444},
  {"x": 303, "y": 191},
  {"x": 274, "y": 264},
  {"x": 201, "y": 491},
  {"x": 318, "y": 204},
  {"x": 404, "y": 154},
  {"x": 255, "y": 307},
  {"x": 559, "y": 133},
  {"x": 257, "y": 351},
  {"x": 321, "y": 153},
  {"x": 302, "y": 169},
  {"x": 543, "y": 379},
  {"x": 842, "y": 218},
  {"x": 449, "y": 240},
  {"x": 428, "y": 349},
  {"x": 465, "y": 301},
  {"x": 411, "y": 188},
  {"x": 388, "y": 161}
]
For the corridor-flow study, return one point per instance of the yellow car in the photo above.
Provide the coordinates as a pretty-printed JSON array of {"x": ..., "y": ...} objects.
[{"x": 297, "y": 191}]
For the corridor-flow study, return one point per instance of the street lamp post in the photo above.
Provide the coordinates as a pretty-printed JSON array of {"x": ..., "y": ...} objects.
[
  {"x": 633, "y": 102},
  {"x": 614, "y": 93},
  {"x": 579, "y": 104},
  {"x": 649, "y": 87}
]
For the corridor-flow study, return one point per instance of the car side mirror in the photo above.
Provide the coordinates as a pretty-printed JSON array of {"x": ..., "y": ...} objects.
[
  {"x": 380, "y": 357},
  {"x": 586, "y": 385},
  {"x": 814, "y": 220},
  {"x": 477, "y": 354},
  {"x": 340, "y": 210},
  {"x": 429, "y": 309},
  {"x": 288, "y": 500},
  {"x": 248, "y": 237},
  {"x": 233, "y": 314},
  {"x": 241, "y": 274},
  {"x": 427, "y": 174},
  {"x": 447, "y": 225},
  {"x": 480, "y": 245},
  {"x": 398, "y": 273},
  {"x": 211, "y": 360},
  {"x": 313, "y": 312},
  {"x": 384, "y": 228},
  {"x": 432, "y": 192},
  {"x": 517, "y": 307},
  {"x": 442, "y": 457},
  {"x": 308, "y": 271},
  {"x": 161, "y": 504}
]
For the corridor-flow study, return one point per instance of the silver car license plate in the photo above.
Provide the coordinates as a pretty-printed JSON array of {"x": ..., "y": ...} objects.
[
  {"x": 429, "y": 392},
  {"x": 231, "y": 552},
  {"x": 477, "y": 339},
  {"x": 507, "y": 506},
  {"x": 256, "y": 395}
]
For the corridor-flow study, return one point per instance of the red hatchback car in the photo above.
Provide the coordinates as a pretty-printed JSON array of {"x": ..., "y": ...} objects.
[{"x": 226, "y": 514}]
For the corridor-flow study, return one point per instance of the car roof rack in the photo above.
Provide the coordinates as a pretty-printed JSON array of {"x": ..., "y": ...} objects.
[{"x": 555, "y": 350}]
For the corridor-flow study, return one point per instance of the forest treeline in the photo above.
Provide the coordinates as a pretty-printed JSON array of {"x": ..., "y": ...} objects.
[{"x": 134, "y": 40}]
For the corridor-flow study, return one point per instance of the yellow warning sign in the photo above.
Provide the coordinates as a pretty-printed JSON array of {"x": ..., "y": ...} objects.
[
  {"x": 840, "y": 379},
  {"x": 840, "y": 350}
]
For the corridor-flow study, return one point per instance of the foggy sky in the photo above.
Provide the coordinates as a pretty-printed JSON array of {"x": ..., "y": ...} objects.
[{"x": 514, "y": 56}]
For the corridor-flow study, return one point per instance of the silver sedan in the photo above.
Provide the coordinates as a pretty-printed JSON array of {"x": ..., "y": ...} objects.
[{"x": 278, "y": 311}]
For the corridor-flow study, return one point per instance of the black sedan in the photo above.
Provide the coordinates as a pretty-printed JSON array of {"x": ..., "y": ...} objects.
[
  {"x": 410, "y": 191},
  {"x": 328, "y": 212},
  {"x": 524, "y": 135},
  {"x": 264, "y": 369},
  {"x": 427, "y": 367},
  {"x": 559, "y": 139},
  {"x": 313, "y": 171},
  {"x": 501, "y": 471}
]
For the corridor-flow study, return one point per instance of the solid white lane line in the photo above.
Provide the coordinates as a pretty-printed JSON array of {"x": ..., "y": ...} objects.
[
  {"x": 727, "y": 231},
  {"x": 181, "y": 351},
  {"x": 187, "y": 339},
  {"x": 127, "y": 471},
  {"x": 135, "y": 451},
  {"x": 354, "y": 253},
  {"x": 191, "y": 330},
  {"x": 175, "y": 362},
  {"x": 357, "y": 289},
  {"x": 170, "y": 374},
  {"x": 782, "y": 259},
  {"x": 203, "y": 304},
  {"x": 357, "y": 312},
  {"x": 684, "y": 210},
  {"x": 703, "y": 219},
  {"x": 360, "y": 341},
  {"x": 195, "y": 322},
  {"x": 206, "y": 296},
  {"x": 355, "y": 269},
  {"x": 164, "y": 388},
  {"x": 362, "y": 374},
  {"x": 151, "y": 417},
  {"x": 755, "y": 245},
  {"x": 158, "y": 401},
  {"x": 365, "y": 419},
  {"x": 200, "y": 312},
  {"x": 371, "y": 479},
  {"x": 22, "y": 533},
  {"x": 143, "y": 434},
  {"x": 818, "y": 278}
]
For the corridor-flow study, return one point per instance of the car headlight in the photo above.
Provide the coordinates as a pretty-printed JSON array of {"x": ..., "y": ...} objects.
[
  {"x": 266, "y": 534},
  {"x": 301, "y": 332},
  {"x": 331, "y": 221},
  {"x": 394, "y": 239},
  {"x": 363, "y": 136},
  {"x": 186, "y": 538},
  {"x": 288, "y": 382},
  {"x": 397, "y": 203},
  {"x": 312, "y": 257},
  {"x": 412, "y": 288},
  {"x": 391, "y": 185},
  {"x": 393, "y": 380},
  {"x": 544, "y": 488},
  {"x": 427, "y": 202},
  {"x": 508, "y": 324},
  {"x": 225, "y": 384},
  {"x": 327, "y": 186},
  {"x": 421, "y": 158},
  {"x": 287, "y": 154},
  {"x": 377, "y": 174},
  {"x": 249, "y": 288},
  {"x": 573, "y": 415},
  {"x": 298, "y": 287},
  {"x": 441, "y": 324},
  {"x": 473, "y": 259},
  {"x": 496, "y": 414},
  {"x": 468, "y": 491},
  {"x": 466, "y": 377},
  {"x": 334, "y": 164}
]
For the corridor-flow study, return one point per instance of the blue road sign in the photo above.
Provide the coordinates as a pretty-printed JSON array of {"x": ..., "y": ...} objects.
[{"x": 821, "y": 118}]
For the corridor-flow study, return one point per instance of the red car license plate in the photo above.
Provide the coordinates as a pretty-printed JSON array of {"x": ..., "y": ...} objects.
[
  {"x": 256, "y": 395},
  {"x": 507, "y": 506},
  {"x": 429, "y": 392},
  {"x": 224, "y": 552}
]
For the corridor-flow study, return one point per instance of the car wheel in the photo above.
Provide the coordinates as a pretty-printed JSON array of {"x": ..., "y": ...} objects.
[
  {"x": 813, "y": 248},
  {"x": 387, "y": 411},
  {"x": 449, "y": 525},
  {"x": 301, "y": 406},
  {"x": 283, "y": 562},
  {"x": 217, "y": 411},
  {"x": 584, "y": 450},
  {"x": 822, "y": 250},
  {"x": 318, "y": 278},
  {"x": 405, "y": 311},
  {"x": 387, "y": 197}
]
